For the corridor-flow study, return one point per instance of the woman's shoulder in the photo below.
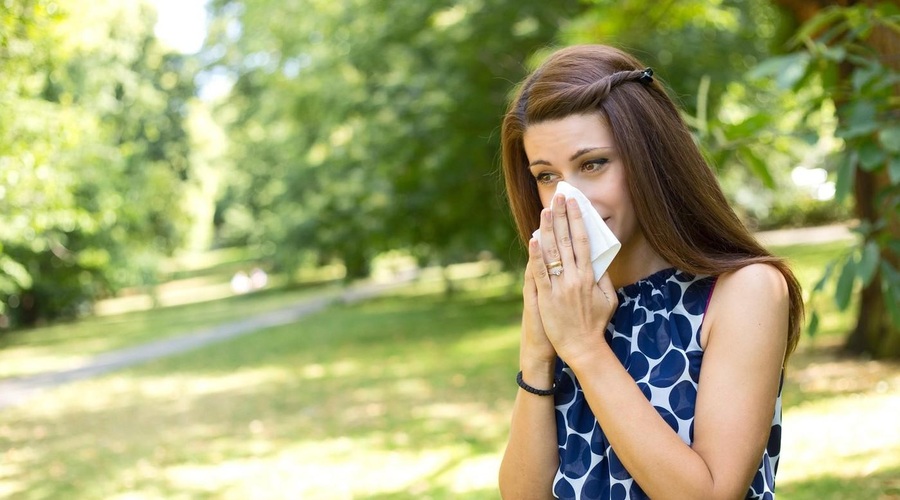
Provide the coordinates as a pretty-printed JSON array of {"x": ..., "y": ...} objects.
[
  {"x": 754, "y": 281},
  {"x": 754, "y": 298}
]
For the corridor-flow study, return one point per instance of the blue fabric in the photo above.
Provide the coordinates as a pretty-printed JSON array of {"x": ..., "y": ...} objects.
[{"x": 655, "y": 334}]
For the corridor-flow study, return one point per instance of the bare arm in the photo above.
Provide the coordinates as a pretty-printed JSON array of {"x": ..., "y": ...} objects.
[{"x": 532, "y": 457}]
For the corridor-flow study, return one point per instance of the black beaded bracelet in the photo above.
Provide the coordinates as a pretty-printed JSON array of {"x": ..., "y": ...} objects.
[{"x": 540, "y": 392}]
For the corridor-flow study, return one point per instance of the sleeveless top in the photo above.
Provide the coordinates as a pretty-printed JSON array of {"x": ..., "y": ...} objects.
[{"x": 655, "y": 334}]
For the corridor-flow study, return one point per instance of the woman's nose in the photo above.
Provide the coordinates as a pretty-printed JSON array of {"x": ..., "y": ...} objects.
[
  {"x": 589, "y": 189},
  {"x": 574, "y": 182}
]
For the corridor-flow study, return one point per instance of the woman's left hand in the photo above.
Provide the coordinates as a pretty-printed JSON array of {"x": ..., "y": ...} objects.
[{"x": 573, "y": 307}]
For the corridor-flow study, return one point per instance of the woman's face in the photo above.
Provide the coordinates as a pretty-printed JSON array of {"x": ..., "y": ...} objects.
[{"x": 580, "y": 150}]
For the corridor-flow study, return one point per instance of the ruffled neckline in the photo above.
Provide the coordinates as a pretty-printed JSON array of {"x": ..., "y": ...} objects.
[{"x": 654, "y": 280}]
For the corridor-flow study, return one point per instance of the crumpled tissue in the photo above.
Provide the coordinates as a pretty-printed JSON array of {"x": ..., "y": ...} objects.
[{"x": 604, "y": 245}]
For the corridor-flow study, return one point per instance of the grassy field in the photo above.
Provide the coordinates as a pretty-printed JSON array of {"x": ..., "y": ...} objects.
[
  {"x": 402, "y": 397},
  {"x": 69, "y": 344}
]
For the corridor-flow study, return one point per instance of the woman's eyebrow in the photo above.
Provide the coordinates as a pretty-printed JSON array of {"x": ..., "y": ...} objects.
[
  {"x": 584, "y": 151},
  {"x": 539, "y": 162},
  {"x": 577, "y": 154}
]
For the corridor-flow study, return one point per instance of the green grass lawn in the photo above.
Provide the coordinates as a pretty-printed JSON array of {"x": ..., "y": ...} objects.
[
  {"x": 70, "y": 344},
  {"x": 406, "y": 396}
]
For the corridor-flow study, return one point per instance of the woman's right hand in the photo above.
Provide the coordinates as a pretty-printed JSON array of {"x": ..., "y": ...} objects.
[{"x": 536, "y": 350}]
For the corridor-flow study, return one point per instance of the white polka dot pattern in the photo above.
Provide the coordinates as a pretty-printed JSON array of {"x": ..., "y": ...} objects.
[{"x": 655, "y": 334}]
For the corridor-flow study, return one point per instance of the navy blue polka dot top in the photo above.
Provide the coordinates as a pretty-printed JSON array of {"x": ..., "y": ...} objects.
[{"x": 655, "y": 334}]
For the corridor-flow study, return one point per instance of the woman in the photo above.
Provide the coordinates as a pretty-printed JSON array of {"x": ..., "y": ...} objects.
[{"x": 663, "y": 378}]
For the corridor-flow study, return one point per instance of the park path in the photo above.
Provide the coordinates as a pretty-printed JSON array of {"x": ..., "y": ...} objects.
[{"x": 16, "y": 391}]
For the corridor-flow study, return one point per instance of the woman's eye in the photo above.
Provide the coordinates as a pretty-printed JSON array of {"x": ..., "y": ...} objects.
[
  {"x": 594, "y": 165},
  {"x": 544, "y": 178}
]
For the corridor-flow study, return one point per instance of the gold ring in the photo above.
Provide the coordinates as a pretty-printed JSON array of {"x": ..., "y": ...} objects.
[
  {"x": 555, "y": 271},
  {"x": 556, "y": 263}
]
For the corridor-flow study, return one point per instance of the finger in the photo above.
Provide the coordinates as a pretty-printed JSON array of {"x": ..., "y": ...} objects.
[
  {"x": 530, "y": 296},
  {"x": 561, "y": 231},
  {"x": 538, "y": 268},
  {"x": 530, "y": 288},
  {"x": 581, "y": 243},
  {"x": 548, "y": 246},
  {"x": 609, "y": 290}
]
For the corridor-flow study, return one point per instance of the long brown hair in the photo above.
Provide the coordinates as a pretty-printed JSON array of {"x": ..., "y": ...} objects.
[{"x": 678, "y": 203}]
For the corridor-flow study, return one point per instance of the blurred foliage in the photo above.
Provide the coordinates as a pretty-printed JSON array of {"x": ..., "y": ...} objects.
[
  {"x": 360, "y": 127},
  {"x": 356, "y": 127},
  {"x": 687, "y": 42},
  {"x": 803, "y": 212},
  {"x": 363, "y": 126},
  {"x": 849, "y": 55},
  {"x": 831, "y": 103},
  {"x": 93, "y": 153}
]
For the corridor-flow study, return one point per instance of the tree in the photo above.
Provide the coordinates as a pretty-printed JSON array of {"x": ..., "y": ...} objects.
[
  {"x": 365, "y": 126},
  {"x": 843, "y": 60},
  {"x": 852, "y": 48},
  {"x": 92, "y": 154}
]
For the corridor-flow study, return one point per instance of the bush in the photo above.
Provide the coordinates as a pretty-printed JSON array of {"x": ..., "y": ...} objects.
[{"x": 801, "y": 212}]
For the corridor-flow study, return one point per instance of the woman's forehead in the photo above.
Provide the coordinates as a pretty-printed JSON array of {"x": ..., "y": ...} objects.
[{"x": 574, "y": 131}]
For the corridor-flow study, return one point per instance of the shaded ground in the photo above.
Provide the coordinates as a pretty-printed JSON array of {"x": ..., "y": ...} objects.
[{"x": 841, "y": 438}]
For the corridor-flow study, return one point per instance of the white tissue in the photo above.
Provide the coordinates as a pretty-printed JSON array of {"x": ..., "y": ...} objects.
[{"x": 604, "y": 245}]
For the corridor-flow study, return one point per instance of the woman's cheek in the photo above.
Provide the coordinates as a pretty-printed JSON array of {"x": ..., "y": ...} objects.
[{"x": 546, "y": 195}]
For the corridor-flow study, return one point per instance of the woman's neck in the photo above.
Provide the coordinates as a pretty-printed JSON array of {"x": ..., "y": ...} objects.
[{"x": 635, "y": 261}]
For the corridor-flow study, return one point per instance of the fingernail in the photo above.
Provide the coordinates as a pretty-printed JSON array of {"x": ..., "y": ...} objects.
[{"x": 558, "y": 199}]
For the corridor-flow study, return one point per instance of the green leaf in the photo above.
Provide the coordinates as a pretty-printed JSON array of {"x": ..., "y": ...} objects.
[
  {"x": 826, "y": 17},
  {"x": 891, "y": 275},
  {"x": 863, "y": 76},
  {"x": 835, "y": 54},
  {"x": 894, "y": 245},
  {"x": 844, "y": 182},
  {"x": 864, "y": 228},
  {"x": 787, "y": 70},
  {"x": 792, "y": 75},
  {"x": 845, "y": 284},
  {"x": 890, "y": 138},
  {"x": 871, "y": 156},
  {"x": 824, "y": 40},
  {"x": 894, "y": 169},
  {"x": 824, "y": 279},
  {"x": 886, "y": 10},
  {"x": 16, "y": 271},
  {"x": 859, "y": 119},
  {"x": 813, "y": 323},
  {"x": 751, "y": 125},
  {"x": 868, "y": 263},
  {"x": 830, "y": 77},
  {"x": 810, "y": 137},
  {"x": 759, "y": 168}
]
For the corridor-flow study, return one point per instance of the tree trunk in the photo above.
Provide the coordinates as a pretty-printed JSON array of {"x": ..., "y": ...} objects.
[
  {"x": 875, "y": 334},
  {"x": 356, "y": 264}
]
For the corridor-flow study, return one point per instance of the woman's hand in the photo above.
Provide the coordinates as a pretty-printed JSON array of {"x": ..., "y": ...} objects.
[
  {"x": 536, "y": 349},
  {"x": 573, "y": 308}
]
